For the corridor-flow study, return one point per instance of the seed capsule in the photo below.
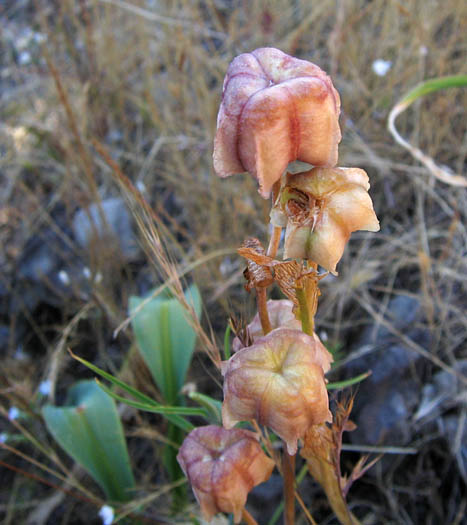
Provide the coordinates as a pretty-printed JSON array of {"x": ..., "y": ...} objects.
[
  {"x": 222, "y": 467},
  {"x": 279, "y": 382},
  {"x": 321, "y": 208},
  {"x": 275, "y": 109}
]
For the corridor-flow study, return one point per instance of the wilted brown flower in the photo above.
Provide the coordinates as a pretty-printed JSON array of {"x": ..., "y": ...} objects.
[
  {"x": 321, "y": 208},
  {"x": 278, "y": 381},
  {"x": 222, "y": 467},
  {"x": 275, "y": 109}
]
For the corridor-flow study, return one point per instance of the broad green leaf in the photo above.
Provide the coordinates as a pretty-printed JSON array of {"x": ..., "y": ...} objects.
[
  {"x": 166, "y": 339},
  {"x": 88, "y": 428}
]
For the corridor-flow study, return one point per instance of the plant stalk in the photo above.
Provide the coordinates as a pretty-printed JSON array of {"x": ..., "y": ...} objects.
[
  {"x": 248, "y": 518},
  {"x": 261, "y": 300},
  {"x": 274, "y": 241},
  {"x": 288, "y": 474},
  {"x": 305, "y": 314}
]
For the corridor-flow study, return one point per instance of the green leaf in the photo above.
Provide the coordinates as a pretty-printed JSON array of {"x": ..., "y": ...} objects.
[
  {"x": 432, "y": 85},
  {"x": 425, "y": 88},
  {"x": 157, "y": 409},
  {"x": 348, "y": 382},
  {"x": 145, "y": 402},
  {"x": 88, "y": 428},
  {"x": 227, "y": 352},
  {"x": 213, "y": 407},
  {"x": 166, "y": 339}
]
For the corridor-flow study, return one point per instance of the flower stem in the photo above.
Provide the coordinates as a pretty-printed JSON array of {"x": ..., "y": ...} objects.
[
  {"x": 305, "y": 317},
  {"x": 261, "y": 300},
  {"x": 248, "y": 518},
  {"x": 274, "y": 241},
  {"x": 288, "y": 473}
]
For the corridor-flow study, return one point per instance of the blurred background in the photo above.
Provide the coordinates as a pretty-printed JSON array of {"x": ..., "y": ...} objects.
[{"x": 91, "y": 87}]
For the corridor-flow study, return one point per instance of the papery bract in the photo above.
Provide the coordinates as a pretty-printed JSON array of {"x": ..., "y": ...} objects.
[
  {"x": 275, "y": 109},
  {"x": 222, "y": 467},
  {"x": 279, "y": 382},
  {"x": 321, "y": 208}
]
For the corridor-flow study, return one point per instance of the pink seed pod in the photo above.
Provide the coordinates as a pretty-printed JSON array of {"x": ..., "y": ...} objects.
[
  {"x": 279, "y": 382},
  {"x": 323, "y": 207},
  {"x": 222, "y": 467},
  {"x": 275, "y": 109}
]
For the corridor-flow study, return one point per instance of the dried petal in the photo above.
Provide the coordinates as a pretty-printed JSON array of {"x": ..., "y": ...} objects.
[
  {"x": 336, "y": 204},
  {"x": 275, "y": 109},
  {"x": 279, "y": 381},
  {"x": 257, "y": 275},
  {"x": 222, "y": 467}
]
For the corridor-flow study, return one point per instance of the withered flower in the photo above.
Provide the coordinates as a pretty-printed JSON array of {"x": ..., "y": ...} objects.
[
  {"x": 279, "y": 382},
  {"x": 275, "y": 109},
  {"x": 321, "y": 208},
  {"x": 222, "y": 467}
]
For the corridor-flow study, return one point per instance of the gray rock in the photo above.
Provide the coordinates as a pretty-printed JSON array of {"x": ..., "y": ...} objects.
[
  {"x": 87, "y": 225},
  {"x": 383, "y": 414},
  {"x": 444, "y": 392}
]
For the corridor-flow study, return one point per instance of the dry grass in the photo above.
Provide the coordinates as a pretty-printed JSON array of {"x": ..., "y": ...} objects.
[{"x": 144, "y": 79}]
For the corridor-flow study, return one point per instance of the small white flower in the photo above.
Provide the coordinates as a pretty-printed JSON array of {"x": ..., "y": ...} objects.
[
  {"x": 20, "y": 354},
  {"x": 63, "y": 277},
  {"x": 87, "y": 272},
  {"x": 44, "y": 387},
  {"x": 98, "y": 278},
  {"x": 106, "y": 513},
  {"x": 24, "y": 58},
  {"x": 3, "y": 437},
  {"x": 141, "y": 186},
  {"x": 39, "y": 38},
  {"x": 13, "y": 413},
  {"x": 381, "y": 67},
  {"x": 323, "y": 335}
]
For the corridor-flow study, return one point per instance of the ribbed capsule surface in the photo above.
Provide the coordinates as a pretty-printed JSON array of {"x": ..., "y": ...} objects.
[
  {"x": 279, "y": 382},
  {"x": 223, "y": 466},
  {"x": 275, "y": 109},
  {"x": 330, "y": 204}
]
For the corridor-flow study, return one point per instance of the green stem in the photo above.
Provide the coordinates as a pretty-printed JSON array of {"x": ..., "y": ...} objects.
[{"x": 305, "y": 317}]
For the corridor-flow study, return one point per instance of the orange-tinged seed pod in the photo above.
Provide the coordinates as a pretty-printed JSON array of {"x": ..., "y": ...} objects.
[
  {"x": 278, "y": 381},
  {"x": 223, "y": 466},
  {"x": 275, "y": 109},
  {"x": 331, "y": 204}
]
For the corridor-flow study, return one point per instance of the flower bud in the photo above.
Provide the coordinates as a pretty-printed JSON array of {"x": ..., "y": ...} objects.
[
  {"x": 323, "y": 207},
  {"x": 278, "y": 381},
  {"x": 275, "y": 109},
  {"x": 222, "y": 467}
]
